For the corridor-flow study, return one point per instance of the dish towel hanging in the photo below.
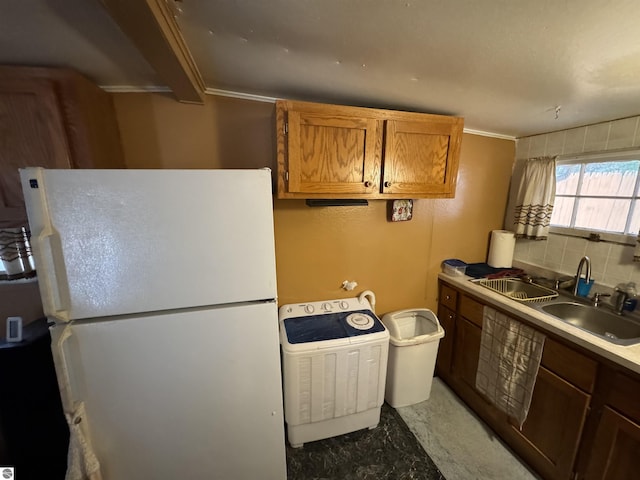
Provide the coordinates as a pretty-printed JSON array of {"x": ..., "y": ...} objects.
[
  {"x": 534, "y": 200},
  {"x": 510, "y": 355},
  {"x": 82, "y": 463}
]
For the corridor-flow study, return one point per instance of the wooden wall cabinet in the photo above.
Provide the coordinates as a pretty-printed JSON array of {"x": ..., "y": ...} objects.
[
  {"x": 563, "y": 407},
  {"x": 333, "y": 151},
  {"x": 53, "y": 118}
]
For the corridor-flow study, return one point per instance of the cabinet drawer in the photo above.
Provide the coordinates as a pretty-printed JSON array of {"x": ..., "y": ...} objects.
[
  {"x": 623, "y": 396},
  {"x": 471, "y": 310},
  {"x": 448, "y": 297},
  {"x": 565, "y": 362}
]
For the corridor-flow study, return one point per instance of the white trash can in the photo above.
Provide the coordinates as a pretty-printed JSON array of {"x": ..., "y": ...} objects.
[{"x": 414, "y": 336}]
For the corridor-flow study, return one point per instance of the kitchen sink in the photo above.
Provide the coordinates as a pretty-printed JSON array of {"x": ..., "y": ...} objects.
[
  {"x": 606, "y": 325},
  {"x": 519, "y": 290}
]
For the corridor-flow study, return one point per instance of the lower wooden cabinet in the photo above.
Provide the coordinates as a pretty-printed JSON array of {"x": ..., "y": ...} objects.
[
  {"x": 615, "y": 452},
  {"x": 584, "y": 418},
  {"x": 467, "y": 340},
  {"x": 551, "y": 434},
  {"x": 445, "y": 348}
]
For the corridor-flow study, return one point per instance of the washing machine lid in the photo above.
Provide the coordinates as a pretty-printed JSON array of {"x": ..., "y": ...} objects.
[{"x": 331, "y": 326}]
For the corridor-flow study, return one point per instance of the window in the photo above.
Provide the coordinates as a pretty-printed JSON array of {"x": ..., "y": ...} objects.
[{"x": 598, "y": 194}]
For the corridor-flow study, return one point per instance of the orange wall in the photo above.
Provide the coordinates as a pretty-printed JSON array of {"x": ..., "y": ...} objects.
[
  {"x": 318, "y": 248},
  {"x": 159, "y": 132},
  {"x": 462, "y": 225}
]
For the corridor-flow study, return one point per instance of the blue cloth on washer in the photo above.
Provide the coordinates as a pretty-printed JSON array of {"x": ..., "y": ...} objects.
[{"x": 327, "y": 326}]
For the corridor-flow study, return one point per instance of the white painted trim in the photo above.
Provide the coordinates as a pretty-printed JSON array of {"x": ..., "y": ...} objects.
[
  {"x": 134, "y": 89},
  {"x": 608, "y": 237},
  {"x": 258, "y": 98},
  {"x": 244, "y": 96},
  {"x": 620, "y": 154},
  {"x": 488, "y": 134}
]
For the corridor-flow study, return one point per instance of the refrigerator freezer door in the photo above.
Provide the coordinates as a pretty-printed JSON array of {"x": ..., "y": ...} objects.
[
  {"x": 111, "y": 242},
  {"x": 195, "y": 394}
]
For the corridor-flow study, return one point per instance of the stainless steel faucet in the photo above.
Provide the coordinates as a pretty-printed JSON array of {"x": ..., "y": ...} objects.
[{"x": 587, "y": 279}]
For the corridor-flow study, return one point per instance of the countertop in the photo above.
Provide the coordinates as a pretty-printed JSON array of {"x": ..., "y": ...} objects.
[
  {"x": 30, "y": 333},
  {"x": 628, "y": 357}
]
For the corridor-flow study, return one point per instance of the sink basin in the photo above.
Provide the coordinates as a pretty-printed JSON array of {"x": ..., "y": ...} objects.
[
  {"x": 608, "y": 326},
  {"x": 516, "y": 289}
]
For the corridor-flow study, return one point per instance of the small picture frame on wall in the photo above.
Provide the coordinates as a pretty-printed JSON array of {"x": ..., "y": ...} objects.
[{"x": 400, "y": 210}]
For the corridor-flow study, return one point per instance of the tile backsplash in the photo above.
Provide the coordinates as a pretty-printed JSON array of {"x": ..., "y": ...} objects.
[
  {"x": 611, "y": 263},
  {"x": 600, "y": 137}
]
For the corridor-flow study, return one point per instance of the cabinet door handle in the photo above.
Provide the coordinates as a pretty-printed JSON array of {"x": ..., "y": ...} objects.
[
  {"x": 367, "y": 184},
  {"x": 387, "y": 184},
  {"x": 448, "y": 297}
]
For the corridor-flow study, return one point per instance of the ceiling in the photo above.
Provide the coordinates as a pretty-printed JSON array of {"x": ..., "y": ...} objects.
[{"x": 509, "y": 67}]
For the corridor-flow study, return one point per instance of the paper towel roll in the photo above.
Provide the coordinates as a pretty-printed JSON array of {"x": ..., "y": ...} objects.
[{"x": 501, "y": 249}]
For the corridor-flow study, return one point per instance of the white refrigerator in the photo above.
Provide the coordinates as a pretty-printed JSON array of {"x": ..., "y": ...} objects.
[{"x": 161, "y": 286}]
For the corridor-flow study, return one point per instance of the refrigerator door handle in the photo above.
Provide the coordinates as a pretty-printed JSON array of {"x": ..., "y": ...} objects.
[
  {"x": 81, "y": 456},
  {"x": 62, "y": 371},
  {"x": 53, "y": 273}
]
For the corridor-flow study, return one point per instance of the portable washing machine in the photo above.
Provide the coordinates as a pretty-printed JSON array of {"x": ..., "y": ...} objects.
[{"x": 334, "y": 361}]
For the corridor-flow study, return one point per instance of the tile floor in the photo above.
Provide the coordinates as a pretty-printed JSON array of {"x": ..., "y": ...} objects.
[
  {"x": 389, "y": 451},
  {"x": 458, "y": 442}
]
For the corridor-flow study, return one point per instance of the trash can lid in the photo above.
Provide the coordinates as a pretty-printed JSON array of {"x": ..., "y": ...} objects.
[{"x": 412, "y": 326}]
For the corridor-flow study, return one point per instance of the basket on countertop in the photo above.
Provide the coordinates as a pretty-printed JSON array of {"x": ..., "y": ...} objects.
[{"x": 502, "y": 286}]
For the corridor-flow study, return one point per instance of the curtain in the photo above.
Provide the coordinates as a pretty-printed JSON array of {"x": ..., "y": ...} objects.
[{"x": 534, "y": 200}]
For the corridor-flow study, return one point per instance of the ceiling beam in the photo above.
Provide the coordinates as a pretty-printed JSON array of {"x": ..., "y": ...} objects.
[{"x": 151, "y": 26}]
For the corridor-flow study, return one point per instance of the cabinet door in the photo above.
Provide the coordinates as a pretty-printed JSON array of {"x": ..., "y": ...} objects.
[
  {"x": 467, "y": 351},
  {"x": 616, "y": 449},
  {"x": 464, "y": 366},
  {"x": 445, "y": 349},
  {"x": 421, "y": 157},
  {"x": 336, "y": 151},
  {"x": 33, "y": 134},
  {"x": 333, "y": 153},
  {"x": 551, "y": 434}
]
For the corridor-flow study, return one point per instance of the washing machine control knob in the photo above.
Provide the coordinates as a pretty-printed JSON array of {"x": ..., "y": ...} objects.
[
  {"x": 326, "y": 306},
  {"x": 309, "y": 308},
  {"x": 344, "y": 305}
]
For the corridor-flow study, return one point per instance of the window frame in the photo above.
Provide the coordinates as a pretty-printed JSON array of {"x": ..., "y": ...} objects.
[{"x": 602, "y": 157}]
